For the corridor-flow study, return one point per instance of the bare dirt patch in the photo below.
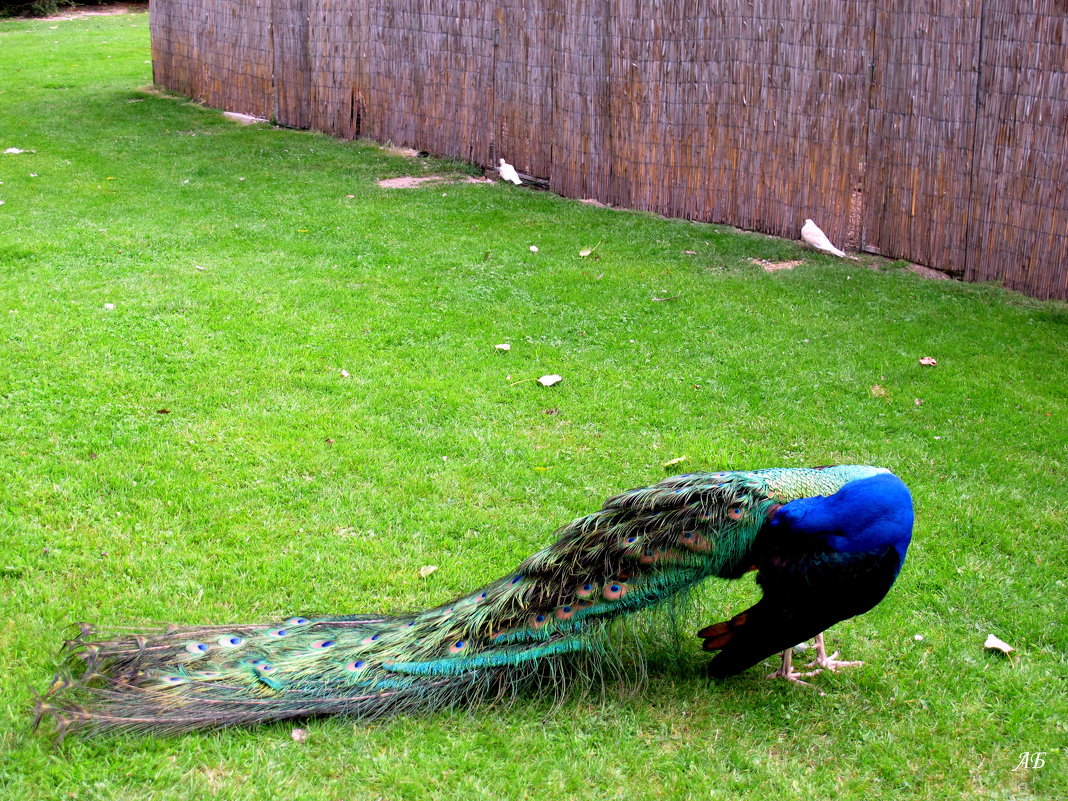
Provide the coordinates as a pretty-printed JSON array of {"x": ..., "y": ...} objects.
[
  {"x": 412, "y": 181},
  {"x": 928, "y": 272},
  {"x": 775, "y": 266},
  {"x": 242, "y": 119},
  {"x": 101, "y": 11}
]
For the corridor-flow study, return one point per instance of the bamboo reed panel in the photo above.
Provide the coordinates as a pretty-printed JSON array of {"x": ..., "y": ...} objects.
[
  {"x": 1019, "y": 214},
  {"x": 290, "y": 28},
  {"x": 931, "y": 131},
  {"x": 337, "y": 53},
  {"x": 216, "y": 51},
  {"x": 579, "y": 130},
  {"x": 922, "y": 117},
  {"x": 525, "y": 39}
]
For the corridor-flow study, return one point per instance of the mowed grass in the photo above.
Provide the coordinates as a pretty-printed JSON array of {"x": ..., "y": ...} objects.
[{"x": 249, "y": 266}]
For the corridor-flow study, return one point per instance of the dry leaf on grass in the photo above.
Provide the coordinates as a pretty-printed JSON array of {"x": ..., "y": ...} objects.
[
  {"x": 675, "y": 461},
  {"x": 545, "y": 380},
  {"x": 426, "y": 570},
  {"x": 503, "y": 346},
  {"x": 995, "y": 644},
  {"x": 344, "y": 373},
  {"x": 879, "y": 391}
]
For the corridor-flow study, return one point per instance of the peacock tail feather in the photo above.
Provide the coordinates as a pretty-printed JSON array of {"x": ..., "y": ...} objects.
[{"x": 548, "y": 620}]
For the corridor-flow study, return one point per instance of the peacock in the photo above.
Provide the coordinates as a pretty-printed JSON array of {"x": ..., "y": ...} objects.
[{"x": 827, "y": 544}]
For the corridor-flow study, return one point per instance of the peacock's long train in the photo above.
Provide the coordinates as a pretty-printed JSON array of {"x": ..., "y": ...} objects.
[{"x": 827, "y": 543}]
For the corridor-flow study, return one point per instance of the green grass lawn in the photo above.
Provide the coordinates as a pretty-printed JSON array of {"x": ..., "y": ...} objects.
[{"x": 249, "y": 266}]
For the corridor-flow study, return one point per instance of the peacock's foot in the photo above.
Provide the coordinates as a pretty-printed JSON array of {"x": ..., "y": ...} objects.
[
  {"x": 831, "y": 662},
  {"x": 786, "y": 671},
  {"x": 797, "y": 677}
]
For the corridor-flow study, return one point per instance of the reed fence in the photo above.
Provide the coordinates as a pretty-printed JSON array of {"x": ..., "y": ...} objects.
[{"x": 930, "y": 131}]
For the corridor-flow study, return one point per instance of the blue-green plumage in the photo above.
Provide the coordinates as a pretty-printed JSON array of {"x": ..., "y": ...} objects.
[{"x": 542, "y": 623}]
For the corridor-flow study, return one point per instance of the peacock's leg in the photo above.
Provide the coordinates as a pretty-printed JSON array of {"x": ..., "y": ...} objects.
[
  {"x": 828, "y": 662},
  {"x": 786, "y": 670}
]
